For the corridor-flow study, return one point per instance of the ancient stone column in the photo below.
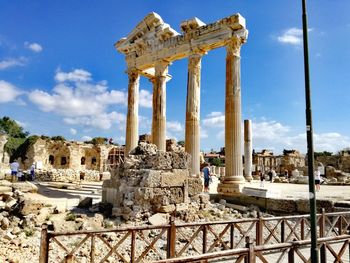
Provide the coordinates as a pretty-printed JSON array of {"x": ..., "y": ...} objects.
[
  {"x": 132, "y": 119},
  {"x": 192, "y": 133},
  {"x": 234, "y": 180},
  {"x": 248, "y": 148},
  {"x": 159, "y": 105}
]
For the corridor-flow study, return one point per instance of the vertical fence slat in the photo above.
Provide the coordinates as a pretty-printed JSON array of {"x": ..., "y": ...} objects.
[
  {"x": 283, "y": 232},
  {"x": 302, "y": 229},
  {"x": 259, "y": 230},
  {"x": 204, "y": 239},
  {"x": 251, "y": 252},
  {"x": 291, "y": 255},
  {"x": 232, "y": 236},
  {"x": 92, "y": 252},
  {"x": 323, "y": 223},
  {"x": 133, "y": 246},
  {"x": 323, "y": 253},
  {"x": 44, "y": 245},
  {"x": 171, "y": 239}
]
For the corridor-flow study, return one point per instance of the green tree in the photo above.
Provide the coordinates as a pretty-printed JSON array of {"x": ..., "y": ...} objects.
[
  {"x": 58, "y": 138},
  {"x": 98, "y": 140},
  {"x": 217, "y": 162},
  {"x": 12, "y": 128},
  {"x": 181, "y": 143}
]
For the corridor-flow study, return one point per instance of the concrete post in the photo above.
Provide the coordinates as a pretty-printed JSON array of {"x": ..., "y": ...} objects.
[
  {"x": 132, "y": 120},
  {"x": 248, "y": 150},
  {"x": 192, "y": 133},
  {"x": 234, "y": 180},
  {"x": 159, "y": 105}
]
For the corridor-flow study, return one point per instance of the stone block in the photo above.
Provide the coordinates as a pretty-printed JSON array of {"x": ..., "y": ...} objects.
[
  {"x": 175, "y": 178},
  {"x": 166, "y": 208},
  {"x": 25, "y": 187},
  {"x": 281, "y": 205},
  {"x": 176, "y": 195},
  {"x": 194, "y": 186},
  {"x": 204, "y": 198},
  {"x": 159, "y": 161},
  {"x": 158, "y": 219},
  {"x": 5, "y": 189},
  {"x": 150, "y": 178},
  {"x": 10, "y": 202},
  {"x": 180, "y": 160},
  {"x": 181, "y": 207}
]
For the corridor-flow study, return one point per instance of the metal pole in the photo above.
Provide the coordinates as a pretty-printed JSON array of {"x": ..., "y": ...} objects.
[{"x": 310, "y": 148}]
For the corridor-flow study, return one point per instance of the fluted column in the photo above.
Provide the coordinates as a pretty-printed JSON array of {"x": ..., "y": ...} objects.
[
  {"x": 248, "y": 150},
  {"x": 132, "y": 120},
  {"x": 159, "y": 105},
  {"x": 192, "y": 133},
  {"x": 234, "y": 179}
]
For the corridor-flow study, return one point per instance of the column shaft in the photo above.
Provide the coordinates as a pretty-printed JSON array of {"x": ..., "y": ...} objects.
[
  {"x": 233, "y": 138},
  {"x": 159, "y": 105},
  {"x": 248, "y": 150},
  {"x": 133, "y": 111},
  {"x": 192, "y": 133}
]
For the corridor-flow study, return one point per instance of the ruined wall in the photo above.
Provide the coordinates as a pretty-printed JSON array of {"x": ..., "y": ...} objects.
[
  {"x": 151, "y": 181},
  {"x": 4, "y": 157}
]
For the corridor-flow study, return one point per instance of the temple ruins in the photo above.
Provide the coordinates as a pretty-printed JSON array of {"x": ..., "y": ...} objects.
[{"x": 149, "y": 50}]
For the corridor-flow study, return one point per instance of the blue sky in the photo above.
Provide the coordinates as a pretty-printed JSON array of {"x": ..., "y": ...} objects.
[{"x": 60, "y": 74}]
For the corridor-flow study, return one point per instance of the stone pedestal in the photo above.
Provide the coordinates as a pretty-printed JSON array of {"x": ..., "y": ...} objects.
[
  {"x": 234, "y": 180},
  {"x": 132, "y": 120},
  {"x": 159, "y": 105},
  {"x": 248, "y": 150},
  {"x": 192, "y": 134}
]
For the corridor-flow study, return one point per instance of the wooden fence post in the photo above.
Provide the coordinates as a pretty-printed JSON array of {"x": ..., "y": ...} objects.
[
  {"x": 232, "y": 235},
  {"x": 259, "y": 230},
  {"x": 323, "y": 223},
  {"x": 204, "y": 239},
  {"x": 171, "y": 239},
  {"x": 282, "y": 231},
  {"x": 250, "y": 258},
  {"x": 291, "y": 254},
  {"x": 133, "y": 246},
  {"x": 44, "y": 245},
  {"x": 92, "y": 252}
]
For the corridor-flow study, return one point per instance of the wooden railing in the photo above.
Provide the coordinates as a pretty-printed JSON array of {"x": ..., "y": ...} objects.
[{"x": 149, "y": 243}]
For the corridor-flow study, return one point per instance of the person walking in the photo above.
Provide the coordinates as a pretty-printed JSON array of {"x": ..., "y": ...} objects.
[
  {"x": 317, "y": 175},
  {"x": 14, "y": 166},
  {"x": 32, "y": 172},
  {"x": 206, "y": 177}
]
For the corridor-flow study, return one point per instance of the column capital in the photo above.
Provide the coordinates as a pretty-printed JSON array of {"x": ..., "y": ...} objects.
[
  {"x": 233, "y": 46},
  {"x": 132, "y": 72},
  {"x": 194, "y": 60},
  {"x": 161, "y": 68}
]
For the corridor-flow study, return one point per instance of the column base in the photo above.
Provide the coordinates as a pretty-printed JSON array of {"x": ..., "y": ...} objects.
[
  {"x": 248, "y": 178},
  {"x": 230, "y": 188}
]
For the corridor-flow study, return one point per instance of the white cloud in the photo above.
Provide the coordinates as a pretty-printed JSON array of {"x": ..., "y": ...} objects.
[
  {"x": 8, "y": 92},
  {"x": 75, "y": 75},
  {"x": 81, "y": 101},
  {"x": 73, "y": 131},
  {"x": 214, "y": 119},
  {"x": 174, "y": 126},
  {"x": 203, "y": 133},
  {"x": 35, "y": 47},
  {"x": 269, "y": 130},
  {"x": 145, "y": 99},
  {"x": 86, "y": 138},
  {"x": 12, "y": 62},
  {"x": 292, "y": 36}
]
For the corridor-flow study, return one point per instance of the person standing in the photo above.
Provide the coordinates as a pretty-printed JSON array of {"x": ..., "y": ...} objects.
[
  {"x": 317, "y": 175},
  {"x": 32, "y": 172},
  {"x": 262, "y": 178},
  {"x": 206, "y": 177},
  {"x": 14, "y": 166}
]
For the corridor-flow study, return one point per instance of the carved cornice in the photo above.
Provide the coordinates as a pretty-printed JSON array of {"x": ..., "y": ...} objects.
[{"x": 233, "y": 46}]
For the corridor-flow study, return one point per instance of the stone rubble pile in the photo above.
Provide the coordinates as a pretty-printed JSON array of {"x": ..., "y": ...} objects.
[{"x": 151, "y": 181}]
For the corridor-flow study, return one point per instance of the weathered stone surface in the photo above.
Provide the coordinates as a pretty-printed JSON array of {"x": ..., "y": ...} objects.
[
  {"x": 175, "y": 178},
  {"x": 25, "y": 187},
  {"x": 194, "y": 186},
  {"x": 5, "y": 189},
  {"x": 158, "y": 219},
  {"x": 166, "y": 208}
]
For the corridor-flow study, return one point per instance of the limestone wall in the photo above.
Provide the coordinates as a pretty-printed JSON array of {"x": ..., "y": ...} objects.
[
  {"x": 151, "y": 181},
  {"x": 4, "y": 157},
  {"x": 67, "y": 175}
]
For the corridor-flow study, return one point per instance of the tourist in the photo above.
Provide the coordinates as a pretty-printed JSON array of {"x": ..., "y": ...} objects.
[
  {"x": 317, "y": 175},
  {"x": 206, "y": 177},
  {"x": 32, "y": 172},
  {"x": 286, "y": 175},
  {"x": 262, "y": 178},
  {"x": 270, "y": 176},
  {"x": 14, "y": 170}
]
